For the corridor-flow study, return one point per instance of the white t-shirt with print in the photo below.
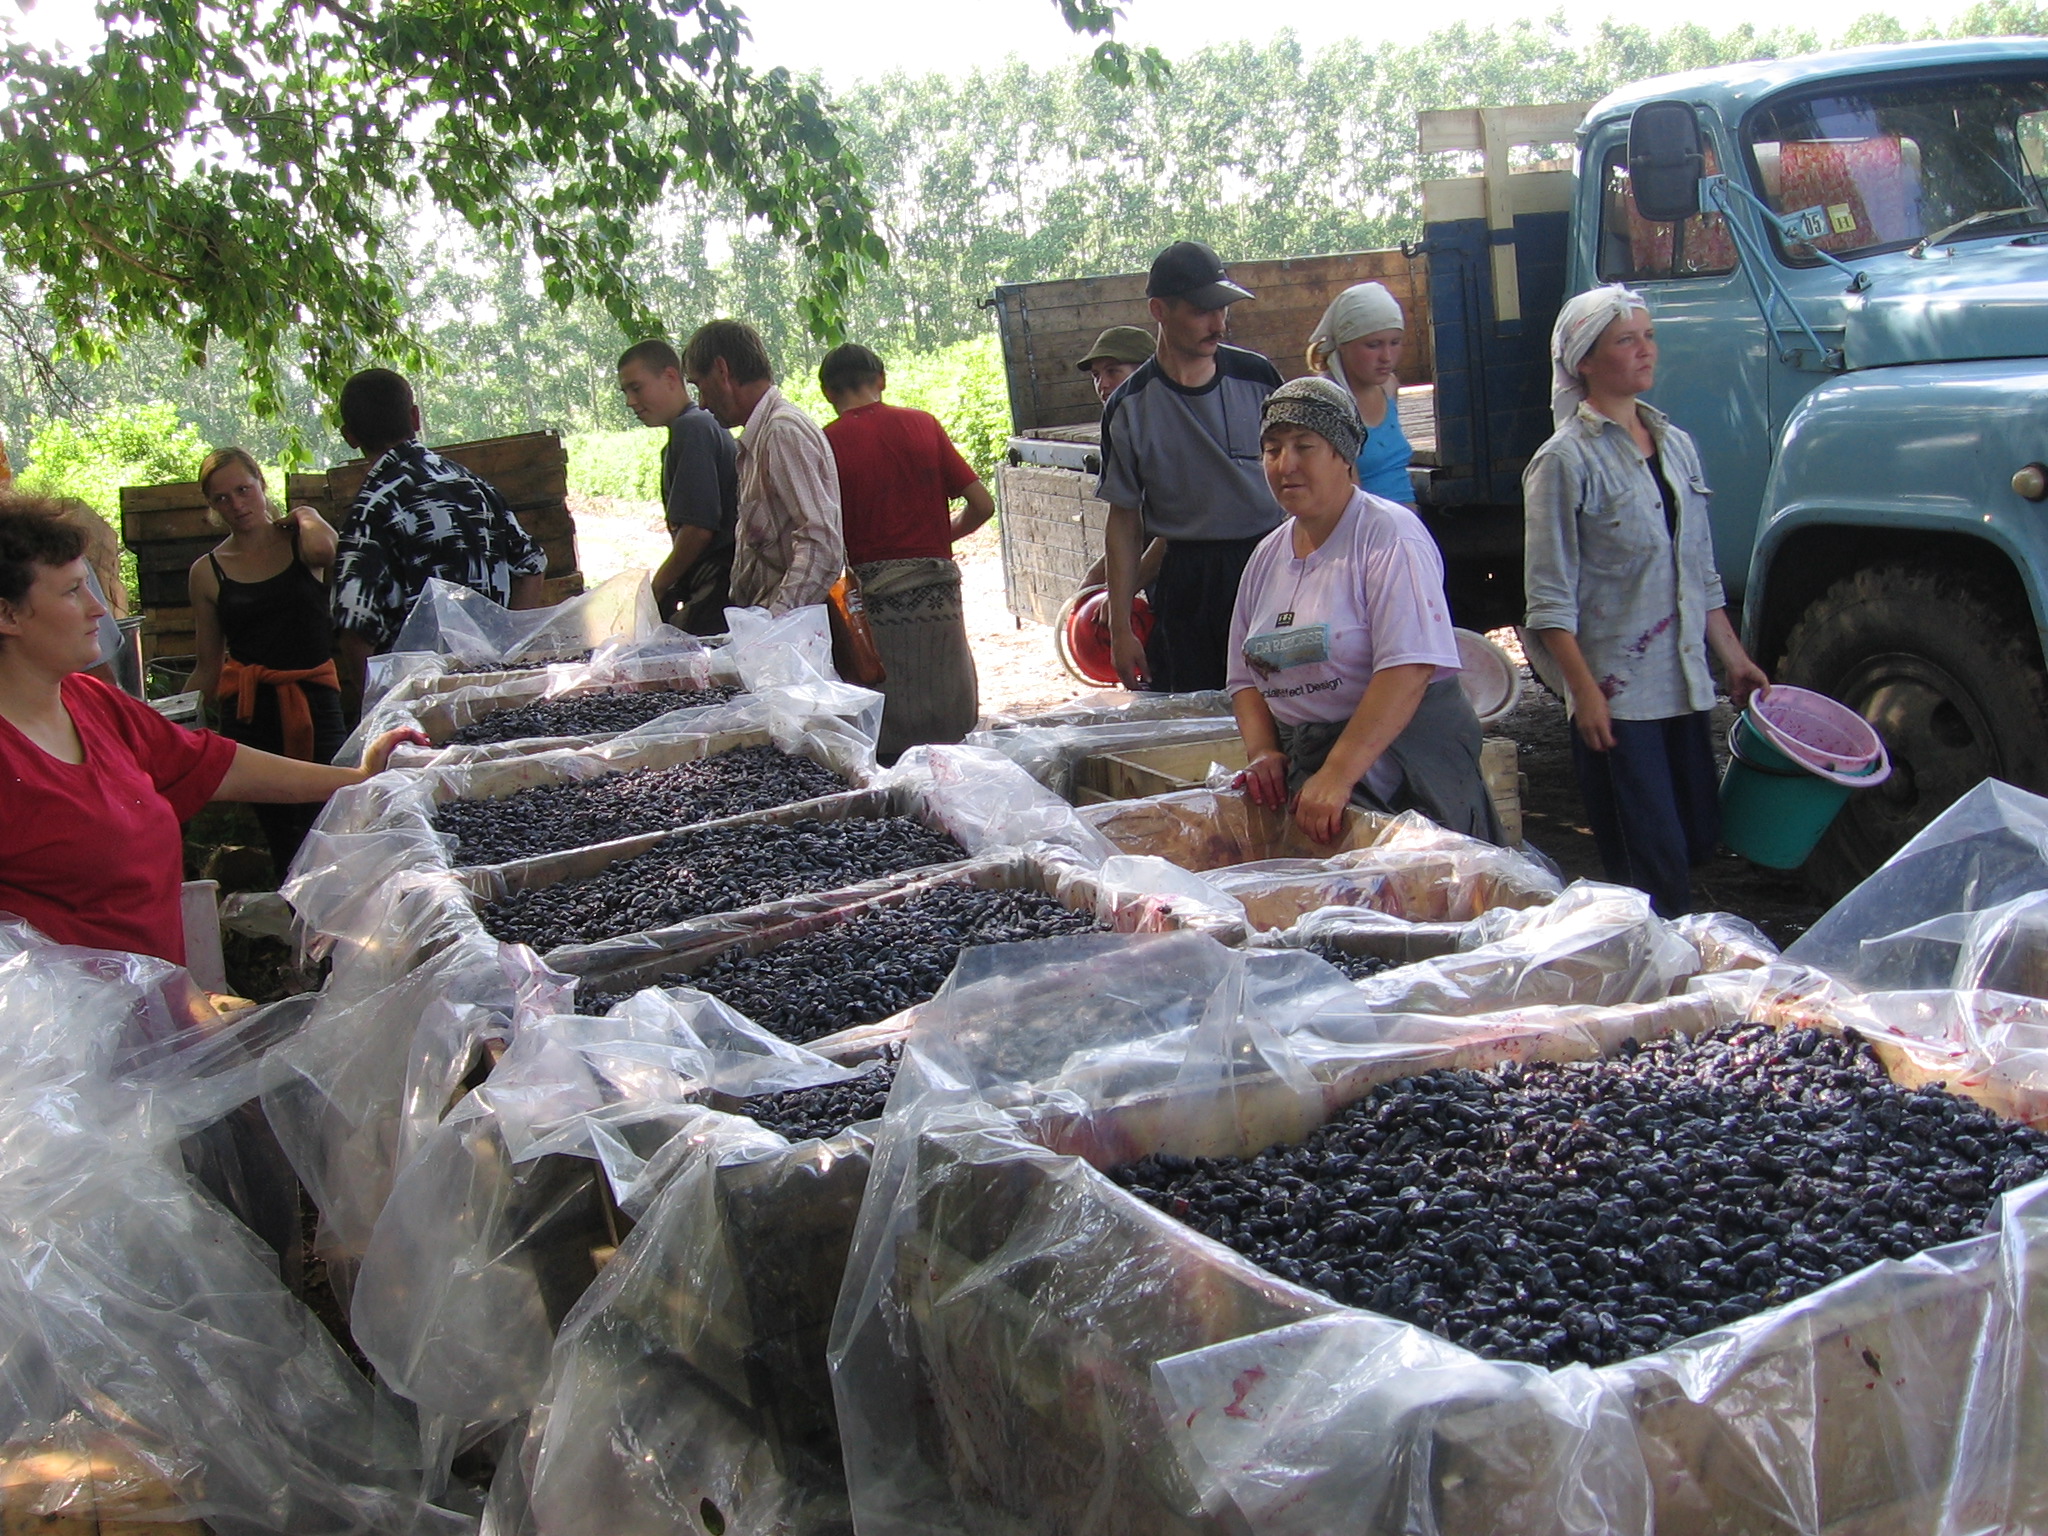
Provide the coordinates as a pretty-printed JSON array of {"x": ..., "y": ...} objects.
[{"x": 1377, "y": 583}]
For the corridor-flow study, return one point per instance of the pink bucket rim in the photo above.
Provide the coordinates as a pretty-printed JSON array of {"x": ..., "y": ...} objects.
[{"x": 1772, "y": 698}]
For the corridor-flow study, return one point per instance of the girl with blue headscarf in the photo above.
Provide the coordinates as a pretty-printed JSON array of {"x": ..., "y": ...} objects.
[{"x": 1357, "y": 344}]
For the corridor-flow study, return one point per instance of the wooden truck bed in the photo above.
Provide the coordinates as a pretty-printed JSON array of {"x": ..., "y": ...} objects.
[{"x": 1047, "y": 326}]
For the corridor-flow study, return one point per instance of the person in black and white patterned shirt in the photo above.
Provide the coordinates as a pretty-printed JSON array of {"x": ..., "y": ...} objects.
[{"x": 417, "y": 516}]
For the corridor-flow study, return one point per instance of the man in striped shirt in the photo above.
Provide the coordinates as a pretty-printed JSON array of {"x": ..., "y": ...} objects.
[{"x": 789, "y": 548}]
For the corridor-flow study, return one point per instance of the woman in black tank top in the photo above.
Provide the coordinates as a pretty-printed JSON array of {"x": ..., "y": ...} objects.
[{"x": 259, "y": 600}]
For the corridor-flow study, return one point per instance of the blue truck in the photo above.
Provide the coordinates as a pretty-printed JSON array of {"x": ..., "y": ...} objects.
[{"x": 1846, "y": 255}]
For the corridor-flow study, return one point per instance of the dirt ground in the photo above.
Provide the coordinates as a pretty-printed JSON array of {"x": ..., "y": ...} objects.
[{"x": 1019, "y": 671}]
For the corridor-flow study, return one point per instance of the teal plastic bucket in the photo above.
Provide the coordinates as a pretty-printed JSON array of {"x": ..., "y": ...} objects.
[{"x": 1773, "y": 810}]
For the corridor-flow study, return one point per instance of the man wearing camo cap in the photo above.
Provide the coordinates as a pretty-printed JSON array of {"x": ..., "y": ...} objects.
[{"x": 1115, "y": 357}]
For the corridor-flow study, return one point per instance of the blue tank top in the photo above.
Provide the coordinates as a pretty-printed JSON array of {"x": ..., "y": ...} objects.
[{"x": 1383, "y": 461}]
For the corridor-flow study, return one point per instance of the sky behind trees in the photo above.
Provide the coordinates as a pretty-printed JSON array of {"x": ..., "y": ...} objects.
[
  {"x": 846, "y": 42},
  {"x": 1002, "y": 171}
]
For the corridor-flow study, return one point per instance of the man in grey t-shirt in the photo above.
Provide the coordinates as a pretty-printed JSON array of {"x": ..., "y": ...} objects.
[
  {"x": 699, "y": 489},
  {"x": 1180, "y": 462}
]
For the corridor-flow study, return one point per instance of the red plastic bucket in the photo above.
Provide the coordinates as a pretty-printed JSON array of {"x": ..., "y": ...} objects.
[{"x": 1081, "y": 636}]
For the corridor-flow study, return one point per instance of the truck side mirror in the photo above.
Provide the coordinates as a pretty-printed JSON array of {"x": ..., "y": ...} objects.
[{"x": 1665, "y": 161}]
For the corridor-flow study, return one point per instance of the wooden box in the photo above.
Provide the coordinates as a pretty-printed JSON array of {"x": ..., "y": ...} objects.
[
  {"x": 1051, "y": 529},
  {"x": 168, "y": 527},
  {"x": 1035, "y": 1397},
  {"x": 1138, "y": 772}
]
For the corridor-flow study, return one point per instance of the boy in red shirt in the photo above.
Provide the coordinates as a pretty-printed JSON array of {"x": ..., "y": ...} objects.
[{"x": 898, "y": 476}]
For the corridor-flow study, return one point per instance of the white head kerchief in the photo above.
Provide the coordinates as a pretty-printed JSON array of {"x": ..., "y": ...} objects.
[
  {"x": 1579, "y": 325},
  {"x": 1358, "y": 311}
]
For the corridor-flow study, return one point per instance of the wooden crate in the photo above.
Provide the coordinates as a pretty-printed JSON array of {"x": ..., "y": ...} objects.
[
  {"x": 560, "y": 589},
  {"x": 1135, "y": 773},
  {"x": 168, "y": 631},
  {"x": 1499, "y": 763},
  {"x": 1140, "y": 772},
  {"x": 530, "y": 470},
  {"x": 1051, "y": 529},
  {"x": 168, "y": 526}
]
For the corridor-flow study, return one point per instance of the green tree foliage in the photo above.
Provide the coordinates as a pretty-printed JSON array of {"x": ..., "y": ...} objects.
[
  {"x": 93, "y": 459},
  {"x": 962, "y": 385},
  {"x": 228, "y": 170},
  {"x": 1009, "y": 173}
]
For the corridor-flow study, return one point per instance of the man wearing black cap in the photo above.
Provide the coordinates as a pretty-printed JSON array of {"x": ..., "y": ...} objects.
[{"x": 1180, "y": 460}]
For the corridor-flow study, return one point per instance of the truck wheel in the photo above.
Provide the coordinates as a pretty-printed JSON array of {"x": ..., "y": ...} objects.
[{"x": 1952, "y": 681}]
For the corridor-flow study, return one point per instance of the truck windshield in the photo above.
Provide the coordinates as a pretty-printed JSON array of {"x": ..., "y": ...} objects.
[{"x": 1878, "y": 166}]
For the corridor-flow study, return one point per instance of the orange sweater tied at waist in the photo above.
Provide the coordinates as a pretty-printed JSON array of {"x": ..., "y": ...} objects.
[{"x": 239, "y": 681}]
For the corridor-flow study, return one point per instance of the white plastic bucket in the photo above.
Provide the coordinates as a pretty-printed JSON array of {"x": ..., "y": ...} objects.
[{"x": 1489, "y": 678}]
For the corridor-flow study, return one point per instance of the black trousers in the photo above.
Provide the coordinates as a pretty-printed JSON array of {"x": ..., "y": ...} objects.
[
  {"x": 702, "y": 594},
  {"x": 285, "y": 826},
  {"x": 1192, "y": 598},
  {"x": 1654, "y": 804}
]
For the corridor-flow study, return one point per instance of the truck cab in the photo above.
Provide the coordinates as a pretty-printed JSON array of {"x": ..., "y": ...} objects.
[{"x": 1852, "y": 315}]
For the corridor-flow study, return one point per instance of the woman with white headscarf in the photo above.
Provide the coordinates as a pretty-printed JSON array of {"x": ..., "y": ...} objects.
[
  {"x": 1624, "y": 601},
  {"x": 1358, "y": 344}
]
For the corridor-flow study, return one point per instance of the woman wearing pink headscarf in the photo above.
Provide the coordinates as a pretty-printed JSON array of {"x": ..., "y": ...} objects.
[{"x": 1624, "y": 601}]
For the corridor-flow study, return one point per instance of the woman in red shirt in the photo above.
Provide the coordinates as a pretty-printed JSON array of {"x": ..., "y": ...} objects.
[
  {"x": 94, "y": 785},
  {"x": 899, "y": 475}
]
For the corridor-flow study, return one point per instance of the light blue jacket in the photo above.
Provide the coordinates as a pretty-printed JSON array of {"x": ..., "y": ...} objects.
[{"x": 1599, "y": 562}]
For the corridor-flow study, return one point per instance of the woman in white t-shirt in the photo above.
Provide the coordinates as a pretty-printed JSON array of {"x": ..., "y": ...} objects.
[{"x": 1343, "y": 665}]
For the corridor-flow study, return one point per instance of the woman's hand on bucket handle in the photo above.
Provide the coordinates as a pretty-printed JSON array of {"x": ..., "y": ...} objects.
[{"x": 1743, "y": 675}]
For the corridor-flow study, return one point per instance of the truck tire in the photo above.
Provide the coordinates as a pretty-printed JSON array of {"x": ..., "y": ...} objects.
[{"x": 1954, "y": 684}]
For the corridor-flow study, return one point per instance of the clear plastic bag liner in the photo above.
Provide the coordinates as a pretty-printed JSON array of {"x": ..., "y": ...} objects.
[
  {"x": 986, "y": 801},
  {"x": 1725, "y": 942},
  {"x": 363, "y": 1085},
  {"x": 1112, "y": 706},
  {"x": 1142, "y": 893},
  {"x": 1021, "y": 1345},
  {"x": 1596, "y": 944},
  {"x": 507, "y": 1208},
  {"x": 1412, "y": 868},
  {"x": 377, "y": 900},
  {"x": 705, "y": 1338},
  {"x": 1053, "y": 754},
  {"x": 1906, "y": 926},
  {"x": 1205, "y": 829},
  {"x": 438, "y": 714},
  {"x": 452, "y": 620},
  {"x": 784, "y": 650},
  {"x": 152, "y": 1368},
  {"x": 1364, "y": 931}
]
